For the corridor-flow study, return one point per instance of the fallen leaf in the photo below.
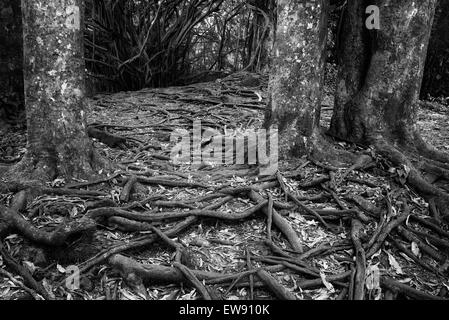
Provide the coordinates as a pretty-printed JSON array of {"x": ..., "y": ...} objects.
[
  {"x": 394, "y": 263},
  {"x": 60, "y": 268},
  {"x": 372, "y": 280},
  {"x": 415, "y": 249}
]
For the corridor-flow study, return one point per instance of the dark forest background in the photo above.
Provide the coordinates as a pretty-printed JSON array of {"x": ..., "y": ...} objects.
[{"x": 130, "y": 45}]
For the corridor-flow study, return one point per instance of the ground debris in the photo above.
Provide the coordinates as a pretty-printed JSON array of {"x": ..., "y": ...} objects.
[{"x": 311, "y": 232}]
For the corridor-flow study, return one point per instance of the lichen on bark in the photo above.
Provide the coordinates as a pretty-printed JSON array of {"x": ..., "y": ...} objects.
[
  {"x": 296, "y": 77},
  {"x": 54, "y": 89}
]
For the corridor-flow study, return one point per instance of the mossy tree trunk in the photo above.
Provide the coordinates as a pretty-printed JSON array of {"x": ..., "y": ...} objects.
[
  {"x": 296, "y": 77},
  {"x": 58, "y": 144}
]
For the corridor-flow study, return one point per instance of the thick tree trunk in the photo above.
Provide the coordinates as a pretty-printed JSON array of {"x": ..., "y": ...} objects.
[
  {"x": 436, "y": 72},
  {"x": 353, "y": 59},
  {"x": 296, "y": 77},
  {"x": 378, "y": 89},
  {"x": 381, "y": 71},
  {"x": 58, "y": 144}
]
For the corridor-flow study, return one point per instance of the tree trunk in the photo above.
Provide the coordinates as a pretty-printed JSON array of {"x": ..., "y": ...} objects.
[
  {"x": 379, "y": 85},
  {"x": 436, "y": 72},
  {"x": 296, "y": 77},
  {"x": 58, "y": 144},
  {"x": 381, "y": 71},
  {"x": 353, "y": 59}
]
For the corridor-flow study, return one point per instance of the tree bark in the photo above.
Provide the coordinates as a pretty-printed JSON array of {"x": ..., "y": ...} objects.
[
  {"x": 381, "y": 72},
  {"x": 436, "y": 72},
  {"x": 58, "y": 144},
  {"x": 353, "y": 59},
  {"x": 379, "y": 86},
  {"x": 296, "y": 77},
  {"x": 11, "y": 80}
]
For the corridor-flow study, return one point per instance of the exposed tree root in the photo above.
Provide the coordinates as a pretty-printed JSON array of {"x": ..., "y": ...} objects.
[
  {"x": 150, "y": 274},
  {"x": 249, "y": 264},
  {"x": 133, "y": 216},
  {"x": 144, "y": 241},
  {"x": 171, "y": 183},
  {"x": 316, "y": 283},
  {"x": 279, "y": 222},
  {"x": 128, "y": 225},
  {"x": 36, "y": 188},
  {"x": 108, "y": 212},
  {"x": 429, "y": 151},
  {"x": 16, "y": 223},
  {"x": 379, "y": 238},
  {"x": 22, "y": 271},
  {"x": 190, "y": 276},
  {"x": 400, "y": 288},
  {"x": 20, "y": 284},
  {"x": 109, "y": 139},
  {"x": 371, "y": 229},
  {"x": 128, "y": 188},
  {"x": 413, "y": 176},
  {"x": 435, "y": 254},
  {"x": 279, "y": 291},
  {"x": 130, "y": 270},
  {"x": 297, "y": 266},
  {"x": 413, "y": 256},
  {"x": 323, "y": 151},
  {"x": 360, "y": 262},
  {"x": 48, "y": 167}
]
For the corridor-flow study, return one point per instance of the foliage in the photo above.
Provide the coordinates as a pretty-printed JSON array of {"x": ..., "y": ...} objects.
[{"x": 131, "y": 44}]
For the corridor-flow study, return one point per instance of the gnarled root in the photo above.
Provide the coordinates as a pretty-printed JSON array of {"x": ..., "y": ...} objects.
[
  {"x": 14, "y": 222},
  {"x": 415, "y": 179},
  {"x": 150, "y": 274}
]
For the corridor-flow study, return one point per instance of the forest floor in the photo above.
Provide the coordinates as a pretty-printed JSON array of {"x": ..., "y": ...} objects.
[{"x": 215, "y": 225}]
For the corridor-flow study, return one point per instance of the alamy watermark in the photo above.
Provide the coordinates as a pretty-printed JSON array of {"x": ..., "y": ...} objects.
[
  {"x": 204, "y": 145},
  {"x": 72, "y": 281},
  {"x": 373, "y": 20}
]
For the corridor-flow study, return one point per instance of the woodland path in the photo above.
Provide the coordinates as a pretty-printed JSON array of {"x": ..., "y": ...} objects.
[{"x": 218, "y": 218}]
